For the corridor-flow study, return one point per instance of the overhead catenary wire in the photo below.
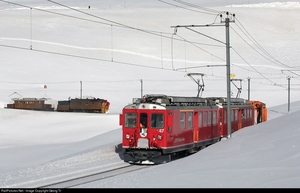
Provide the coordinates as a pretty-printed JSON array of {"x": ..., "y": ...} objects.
[
  {"x": 204, "y": 12},
  {"x": 114, "y": 24},
  {"x": 248, "y": 35},
  {"x": 271, "y": 58}
]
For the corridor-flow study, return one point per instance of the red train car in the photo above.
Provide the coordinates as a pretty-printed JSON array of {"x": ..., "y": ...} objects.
[{"x": 158, "y": 128}]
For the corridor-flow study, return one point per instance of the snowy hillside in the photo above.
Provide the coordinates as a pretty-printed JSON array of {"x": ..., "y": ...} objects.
[{"x": 121, "y": 49}]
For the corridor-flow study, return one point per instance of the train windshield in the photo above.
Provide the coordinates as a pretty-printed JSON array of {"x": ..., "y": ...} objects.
[
  {"x": 130, "y": 120},
  {"x": 157, "y": 120}
]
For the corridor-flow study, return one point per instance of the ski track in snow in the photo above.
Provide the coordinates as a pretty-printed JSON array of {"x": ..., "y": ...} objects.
[{"x": 131, "y": 53}]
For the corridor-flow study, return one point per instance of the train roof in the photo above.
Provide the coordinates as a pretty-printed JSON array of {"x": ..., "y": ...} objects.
[
  {"x": 29, "y": 99},
  {"x": 224, "y": 100},
  {"x": 167, "y": 100}
]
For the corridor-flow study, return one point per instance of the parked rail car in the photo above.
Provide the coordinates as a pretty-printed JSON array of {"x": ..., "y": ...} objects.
[
  {"x": 31, "y": 104},
  {"x": 84, "y": 105},
  {"x": 158, "y": 128}
]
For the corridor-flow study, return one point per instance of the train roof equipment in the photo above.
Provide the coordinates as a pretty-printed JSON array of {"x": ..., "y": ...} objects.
[
  {"x": 239, "y": 88},
  {"x": 166, "y": 100},
  {"x": 198, "y": 82}
]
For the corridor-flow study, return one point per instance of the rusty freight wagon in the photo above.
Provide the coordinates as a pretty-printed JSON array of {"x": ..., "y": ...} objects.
[
  {"x": 94, "y": 105},
  {"x": 31, "y": 104}
]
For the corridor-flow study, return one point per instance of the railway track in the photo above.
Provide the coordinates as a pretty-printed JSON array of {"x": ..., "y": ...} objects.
[{"x": 72, "y": 183}]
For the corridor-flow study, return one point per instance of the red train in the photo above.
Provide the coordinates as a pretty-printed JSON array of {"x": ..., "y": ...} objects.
[{"x": 158, "y": 128}]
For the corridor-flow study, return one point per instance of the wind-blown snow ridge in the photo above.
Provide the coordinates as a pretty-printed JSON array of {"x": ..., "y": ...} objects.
[
  {"x": 103, "y": 49},
  {"x": 131, "y": 53},
  {"x": 271, "y": 5}
]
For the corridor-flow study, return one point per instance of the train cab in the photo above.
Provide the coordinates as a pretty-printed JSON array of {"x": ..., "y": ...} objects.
[{"x": 144, "y": 125}]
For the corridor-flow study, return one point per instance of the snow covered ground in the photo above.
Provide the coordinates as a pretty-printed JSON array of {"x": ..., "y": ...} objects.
[
  {"x": 122, "y": 49},
  {"x": 263, "y": 155}
]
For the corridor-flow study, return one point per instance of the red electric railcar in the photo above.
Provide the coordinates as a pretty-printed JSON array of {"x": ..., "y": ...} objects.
[{"x": 158, "y": 128}]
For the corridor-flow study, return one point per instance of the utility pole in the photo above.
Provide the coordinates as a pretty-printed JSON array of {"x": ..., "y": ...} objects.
[
  {"x": 227, "y": 20},
  {"x": 80, "y": 89},
  {"x": 141, "y": 88},
  {"x": 248, "y": 88},
  {"x": 289, "y": 80}
]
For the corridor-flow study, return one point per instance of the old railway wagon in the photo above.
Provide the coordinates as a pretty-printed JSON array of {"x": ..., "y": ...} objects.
[
  {"x": 95, "y": 105},
  {"x": 158, "y": 128},
  {"x": 31, "y": 104}
]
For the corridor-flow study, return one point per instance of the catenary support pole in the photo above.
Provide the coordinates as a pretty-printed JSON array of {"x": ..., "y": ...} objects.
[
  {"x": 289, "y": 96},
  {"x": 248, "y": 89},
  {"x": 228, "y": 79}
]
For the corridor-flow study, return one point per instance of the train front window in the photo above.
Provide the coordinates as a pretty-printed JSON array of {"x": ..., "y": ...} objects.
[
  {"x": 130, "y": 120},
  {"x": 157, "y": 120},
  {"x": 144, "y": 120}
]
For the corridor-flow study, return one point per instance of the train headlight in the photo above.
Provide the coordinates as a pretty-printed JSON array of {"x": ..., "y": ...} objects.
[
  {"x": 127, "y": 136},
  {"x": 159, "y": 137}
]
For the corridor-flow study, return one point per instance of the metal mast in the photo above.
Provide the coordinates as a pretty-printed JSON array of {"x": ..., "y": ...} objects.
[{"x": 226, "y": 21}]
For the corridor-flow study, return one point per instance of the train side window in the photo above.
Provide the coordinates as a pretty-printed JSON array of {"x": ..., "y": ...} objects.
[
  {"x": 225, "y": 116},
  {"x": 214, "y": 117},
  {"x": 190, "y": 120},
  {"x": 182, "y": 120},
  {"x": 157, "y": 120},
  {"x": 209, "y": 118},
  {"x": 204, "y": 119},
  {"x": 200, "y": 120},
  {"x": 130, "y": 120}
]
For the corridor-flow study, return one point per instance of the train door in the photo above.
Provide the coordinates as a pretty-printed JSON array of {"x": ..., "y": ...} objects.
[
  {"x": 143, "y": 119},
  {"x": 199, "y": 126},
  {"x": 235, "y": 119},
  {"x": 143, "y": 124},
  {"x": 221, "y": 121},
  {"x": 190, "y": 125},
  {"x": 240, "y": 118},
  {"x": 196, "y": 126}
]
